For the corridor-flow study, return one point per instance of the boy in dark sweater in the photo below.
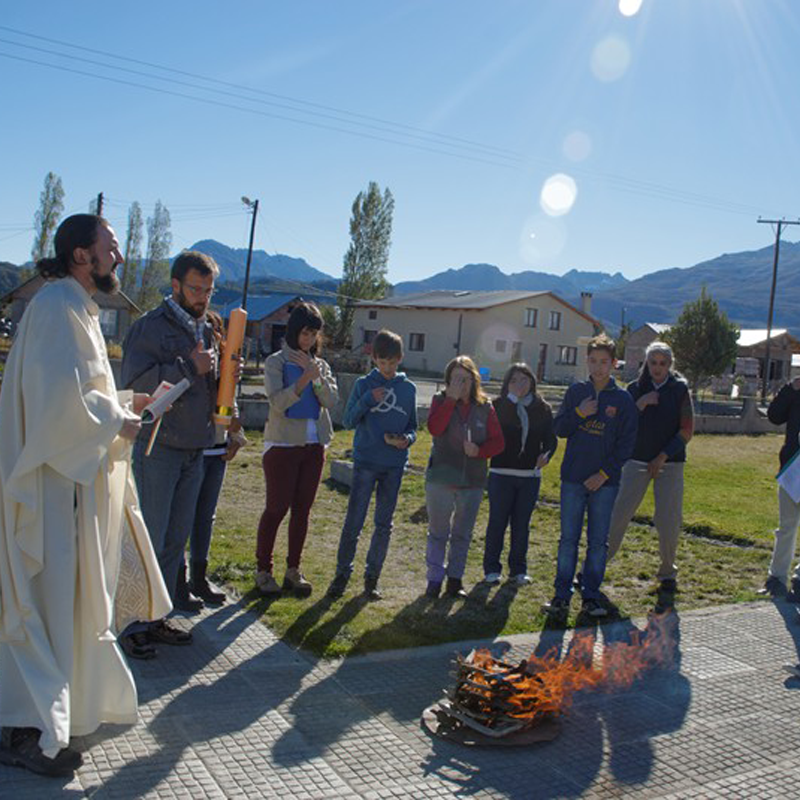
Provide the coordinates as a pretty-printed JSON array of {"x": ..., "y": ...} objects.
[
  {"x": 383, "y": 409},
  {"x": 598, "y": 420}
]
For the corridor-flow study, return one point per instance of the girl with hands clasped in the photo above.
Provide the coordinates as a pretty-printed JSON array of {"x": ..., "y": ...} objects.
[
  {"x": 300, "y": 388},
  {"x": 515, "y": 473},
  {"x": 466, "y": 434}
]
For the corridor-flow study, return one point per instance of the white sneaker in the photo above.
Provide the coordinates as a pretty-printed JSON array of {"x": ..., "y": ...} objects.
[
  {"x": 492, "y": 578},
  {"x": 522, "y": 579}
]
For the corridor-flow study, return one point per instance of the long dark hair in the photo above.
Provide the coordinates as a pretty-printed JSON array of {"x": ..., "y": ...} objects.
[
  {"x": 526, "y": 371},
  {"x": 304, "y": 315},
  {"x": 79, "y": 230}
]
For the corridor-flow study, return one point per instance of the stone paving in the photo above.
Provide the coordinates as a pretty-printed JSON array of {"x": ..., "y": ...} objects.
[{"x": 241, "y": 714}]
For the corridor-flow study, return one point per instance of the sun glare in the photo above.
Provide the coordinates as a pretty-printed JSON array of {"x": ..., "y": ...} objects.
[
  {"x": 610, "y": 59},
  {"x": 629, "y": 8},
  {"x": 558, "y": 195},
  {"x": 577, "y": 146},
  {"x": 542, "y": 238}
]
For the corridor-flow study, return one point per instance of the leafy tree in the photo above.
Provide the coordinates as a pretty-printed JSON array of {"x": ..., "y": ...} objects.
[
  {"x": 703, "y": 340},
  {"x": 51, "y": 207},
  {"x": 155, "y": 274},
  {"x": 367, "y": 257},
  {"x": 133, "y": 249}
]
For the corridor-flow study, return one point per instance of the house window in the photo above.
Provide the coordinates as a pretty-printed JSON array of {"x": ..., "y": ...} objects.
[
  {"x": 373, "y": 314},
  {"x": 416, "y": 342},
  {"x": 567, "y": 355},
  {"x": 369, "y": 336},
  {"x": 555, "y": 321},
  {"x": 530, "y": 317},
  {"x": 500, "y": 345},
  {"x": 108, "y": 321}
]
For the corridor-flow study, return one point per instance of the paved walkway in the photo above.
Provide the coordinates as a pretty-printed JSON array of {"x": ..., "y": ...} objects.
[{"x": 241, "y": 714}]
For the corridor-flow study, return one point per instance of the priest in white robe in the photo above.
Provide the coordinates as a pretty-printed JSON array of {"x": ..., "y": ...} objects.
[{"x": 67, "y": 504}]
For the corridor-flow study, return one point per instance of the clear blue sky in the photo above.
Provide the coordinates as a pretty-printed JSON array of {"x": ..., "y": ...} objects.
[{"x": 678, "y": 125}]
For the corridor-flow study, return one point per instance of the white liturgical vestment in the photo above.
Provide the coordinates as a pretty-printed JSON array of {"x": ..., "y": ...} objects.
[{"x": 68, "y": 510}]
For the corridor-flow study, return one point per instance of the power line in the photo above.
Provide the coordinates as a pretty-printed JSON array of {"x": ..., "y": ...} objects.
[{"x": 287, "y": 98}]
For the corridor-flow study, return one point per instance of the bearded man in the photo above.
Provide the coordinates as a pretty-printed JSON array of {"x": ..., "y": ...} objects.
[
  {"x": 172, "y": 342},
  {"x": 66, "y": 502}
]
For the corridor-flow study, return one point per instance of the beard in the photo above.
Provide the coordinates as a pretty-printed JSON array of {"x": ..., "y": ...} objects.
[
  {"x": 197, "y": 311},
  {"x": 107, "y": 284}
]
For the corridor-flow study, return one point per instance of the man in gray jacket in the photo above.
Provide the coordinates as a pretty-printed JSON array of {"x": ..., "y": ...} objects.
[{"x": 169, "y": 343}]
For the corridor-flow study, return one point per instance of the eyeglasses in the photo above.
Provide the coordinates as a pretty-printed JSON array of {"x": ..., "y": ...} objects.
[{"x": 200, "y": 291}]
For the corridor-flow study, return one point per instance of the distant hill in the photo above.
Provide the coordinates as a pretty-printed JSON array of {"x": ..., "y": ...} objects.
[
  {"x": 233, "y": 262},
  {"x": 739, "y": 282},
  {"x": 488, "y": 277},
  {"x": 9, "y": 276}
]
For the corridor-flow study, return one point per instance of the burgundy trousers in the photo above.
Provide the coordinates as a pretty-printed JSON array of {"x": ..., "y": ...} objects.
[{"x": 292, "y": 476}]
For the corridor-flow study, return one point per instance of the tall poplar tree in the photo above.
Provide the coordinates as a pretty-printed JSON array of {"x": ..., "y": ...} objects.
[
  {"x": 155, "y": 274},
  {"x": 367, "y": 258},
  {"x": 133, "y": 249},
  {"x": 51, "y": 207}
]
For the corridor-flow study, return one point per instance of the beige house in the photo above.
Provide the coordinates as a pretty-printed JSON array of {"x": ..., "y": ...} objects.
[{"x": 496, "y": 328}]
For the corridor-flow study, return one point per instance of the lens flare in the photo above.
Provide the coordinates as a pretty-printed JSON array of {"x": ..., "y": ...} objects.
[
  {"x": 577, "y": 146},
  {"x": 558, "y": 195},
  {"x": 611, "y": 58},
  {"x": 629, "y": 8},
  {"x": 541, "y": 239}
]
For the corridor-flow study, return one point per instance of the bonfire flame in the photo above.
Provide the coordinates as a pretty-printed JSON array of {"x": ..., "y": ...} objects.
[{"x": 498, "y": 693}]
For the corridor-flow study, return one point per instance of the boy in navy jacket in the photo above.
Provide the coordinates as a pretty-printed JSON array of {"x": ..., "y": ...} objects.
[
  {"x": 598, "y": 419},
  {"x": 383, "y": 410}
]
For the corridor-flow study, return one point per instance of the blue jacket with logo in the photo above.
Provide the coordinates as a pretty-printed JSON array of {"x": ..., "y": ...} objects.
[
  {"x": 602, "y": 442},
  {"x": 396, "y": 413}
]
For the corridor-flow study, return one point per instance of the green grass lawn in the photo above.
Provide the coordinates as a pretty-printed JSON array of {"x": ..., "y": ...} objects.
[{"x": 730, "y": 510}]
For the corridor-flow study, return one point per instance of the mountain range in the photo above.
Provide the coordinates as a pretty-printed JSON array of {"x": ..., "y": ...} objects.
[{"x": 739, "y": 282}]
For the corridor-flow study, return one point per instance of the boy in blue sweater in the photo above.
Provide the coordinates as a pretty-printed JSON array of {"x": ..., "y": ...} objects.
[
  {"x": 598, "y": 419},
  {"x": 383, "y": 410}
]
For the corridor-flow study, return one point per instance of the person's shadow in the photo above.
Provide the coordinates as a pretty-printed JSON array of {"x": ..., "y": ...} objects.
[
  {"x": 203, "y": 705},
  {"x": 404, "y": 683},
  {"x": 790, "y": 614}
]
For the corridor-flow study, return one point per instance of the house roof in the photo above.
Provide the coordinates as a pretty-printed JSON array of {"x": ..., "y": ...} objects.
[
  {"x": 259, "y": 307},
  {"x": 748, "y": 337},
  {"x": 464, "y": 300},
  {"x": 659, "y": 327}
]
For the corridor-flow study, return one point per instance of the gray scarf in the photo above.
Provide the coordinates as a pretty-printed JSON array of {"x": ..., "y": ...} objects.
[{"x": 522, "y": 405}]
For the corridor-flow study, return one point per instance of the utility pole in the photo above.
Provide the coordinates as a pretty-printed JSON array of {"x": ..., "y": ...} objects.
[
  {"x": 100, "y": 204},
  {"x": 253, "y": 206},
  {"x": 780, "y": 223}
]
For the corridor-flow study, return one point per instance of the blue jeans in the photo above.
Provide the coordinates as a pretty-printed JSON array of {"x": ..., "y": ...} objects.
[
  {"x": 386, "y": 483},
  {"x": 451, "y": 518},
  {"x": 577, "y": 501},
  {"x": 511, "y": 501},
  {"x": 168, "y": 481},
  {"x": 206, "y": 510}
]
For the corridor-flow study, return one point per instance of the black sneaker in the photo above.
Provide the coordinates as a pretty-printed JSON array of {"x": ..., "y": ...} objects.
[
  {"x": 594, "y": 608},
  {"x": 774, "y": 587},
  {"x": 455, "y": 588},
  {"x": 557, "y": 607},
  {"x": 371, "y": 589},
  {"x": 338, "y": 585},
  {"x": 434, "y": 589}
]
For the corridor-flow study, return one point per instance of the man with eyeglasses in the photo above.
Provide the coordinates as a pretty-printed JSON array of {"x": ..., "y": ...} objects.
[{"x": 169, "y": 343}]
